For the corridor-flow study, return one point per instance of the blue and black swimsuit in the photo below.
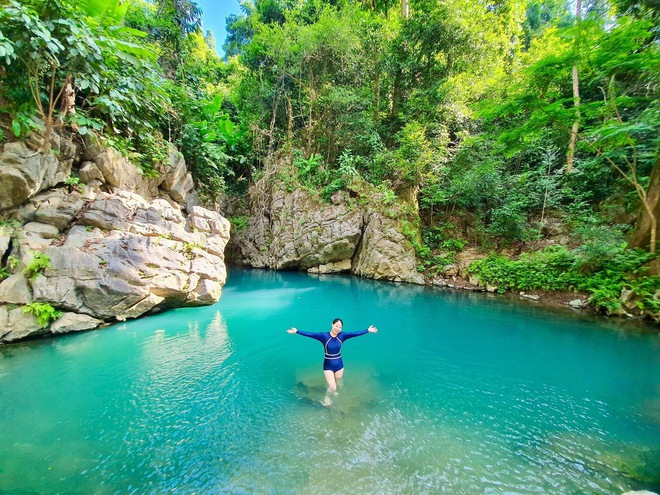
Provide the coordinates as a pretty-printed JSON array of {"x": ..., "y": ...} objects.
[{"x": 332, "y": 346}]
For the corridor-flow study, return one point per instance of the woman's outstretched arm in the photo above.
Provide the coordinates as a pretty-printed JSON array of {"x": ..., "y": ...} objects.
[
  {"x": 350, "y": 335},
  {"x": 312, "y": 335}
]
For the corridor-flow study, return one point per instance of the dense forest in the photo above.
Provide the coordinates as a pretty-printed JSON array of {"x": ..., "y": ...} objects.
[{"x": 490, "y": 123}]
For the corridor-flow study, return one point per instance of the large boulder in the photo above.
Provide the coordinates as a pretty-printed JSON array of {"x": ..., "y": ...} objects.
[
  {"x": 385, "y": 253},
  {"x": 59, "y": 207},
  {"x": 118, "y": 269},
  {"x": 121, "y": 174},
  {"x": 170, "y": 180},
  {"x": 176, "y": 180},
  {"x": 25, "y": 172},
  {"x": 299, "y": 232},
  {"x": 16, "y": 324},
  {"x": 73, "y": 322}
]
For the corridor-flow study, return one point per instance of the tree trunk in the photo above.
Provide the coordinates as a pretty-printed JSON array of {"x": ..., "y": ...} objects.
[
  {"x": 377, "y": 88},
  {"x": 646, "y": 228},
  {"x": 576, "y": 95},
  {"x": 397, "y": 94},
  {"x": 405, "y": 9}
]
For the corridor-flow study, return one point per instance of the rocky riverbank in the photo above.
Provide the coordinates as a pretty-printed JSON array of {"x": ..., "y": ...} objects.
[{"x": 87, "y": 240}]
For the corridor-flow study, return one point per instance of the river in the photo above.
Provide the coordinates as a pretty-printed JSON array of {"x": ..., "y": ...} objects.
[{"x": 457, "y": 393}]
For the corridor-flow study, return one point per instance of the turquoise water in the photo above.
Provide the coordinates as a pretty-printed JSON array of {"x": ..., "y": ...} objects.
[{"x": 457, "y": 394}]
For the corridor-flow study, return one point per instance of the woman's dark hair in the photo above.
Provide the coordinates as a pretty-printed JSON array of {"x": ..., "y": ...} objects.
[{"x": 336, "y": 320}]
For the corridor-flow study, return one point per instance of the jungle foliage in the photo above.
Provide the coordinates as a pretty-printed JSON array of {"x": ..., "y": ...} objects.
[{"x": 462, "y": 109}]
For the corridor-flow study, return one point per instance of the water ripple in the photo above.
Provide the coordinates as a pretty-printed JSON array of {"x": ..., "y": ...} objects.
[{"x": 450, "y": 397}]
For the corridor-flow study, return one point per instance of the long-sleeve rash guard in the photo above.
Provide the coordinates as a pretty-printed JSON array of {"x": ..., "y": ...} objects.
[{"x": 332, "y": 346}]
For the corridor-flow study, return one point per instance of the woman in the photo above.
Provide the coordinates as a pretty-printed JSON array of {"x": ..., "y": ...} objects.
[{"x": 333, "y": 365}]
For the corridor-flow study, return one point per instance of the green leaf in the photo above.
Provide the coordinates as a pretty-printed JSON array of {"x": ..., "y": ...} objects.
[{"x": 16, "y": 128}]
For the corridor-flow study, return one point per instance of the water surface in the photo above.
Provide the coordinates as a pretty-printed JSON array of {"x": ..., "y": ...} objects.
[{"x": 457, "y": 394}]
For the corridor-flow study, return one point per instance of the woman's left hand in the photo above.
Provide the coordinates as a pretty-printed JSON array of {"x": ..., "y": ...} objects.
[{"x": 372, "y": 329}]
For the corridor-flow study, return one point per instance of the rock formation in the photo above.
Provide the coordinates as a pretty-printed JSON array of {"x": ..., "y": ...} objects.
[
  {"x": 295, "y": 230},
  {"x": 115, "y": 246}
]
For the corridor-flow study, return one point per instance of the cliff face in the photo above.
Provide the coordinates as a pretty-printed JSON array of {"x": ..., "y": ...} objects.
[
  {"x": 115, "y": 246},
  {"x": 294, "y": 230}
]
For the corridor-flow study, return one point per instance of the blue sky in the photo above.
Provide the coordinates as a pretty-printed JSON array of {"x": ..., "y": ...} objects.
[{"x": 215, "y": 13}]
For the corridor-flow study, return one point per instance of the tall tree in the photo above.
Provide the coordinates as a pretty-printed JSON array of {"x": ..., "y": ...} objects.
[
  {"x": 576, "y": 91},
  {"x": 175, "y": 20}
]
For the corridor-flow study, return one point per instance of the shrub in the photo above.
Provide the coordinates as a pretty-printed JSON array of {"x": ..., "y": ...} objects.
[
  {"x": 44, "y": 312},
  {"x": 12, "y": 262},
  {"x": 239, "y": 222},
  {"x": 38, "y": 263},
  {"x": 557, "y": 268}
]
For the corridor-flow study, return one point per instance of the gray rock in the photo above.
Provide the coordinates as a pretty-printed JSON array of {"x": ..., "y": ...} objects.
[
  {"x": 16, "y": 325},
  {"x": 208, "y": 221},
  {"x": 60, "y": 291},
  {"x": 122, "y": 174},
  {"x": 577, "y": 303},
  {"x": 80, "y": 236},
  {"x": 68, "y": 150},
  {"x": 36, "y": 236},
  {"x": 333, "y": 267},
  {"x": 142, "y": 307},
  {"x": 111, "y": 297},
  {"x": 36, "y": 139},
  {"x": 24, "y": 172},
  {"x": 385, "y": 253},
  {"x": 15, "y": 290},
  {"x": 5, "y": 241},
  {"x": 552, "y": 229},
  {"x": 450, "y": 270},
  {"x": 176, "y": 179},
  {"x": 123, "y": 256},
  {"x": 109, "y": 212},
  {"x": 89, "y": 172},
  {"x": 59, "y": 208},
  {"x": 91, "y": 148},
  {"x": 628, "y": 299},
  {"x": 47, "y": 231},
  {"x": 73, "y": 322},
  {"x": 295, "y": 230},
  {"x": 475, "y": 280},
  {"x": 207, "y": 292}
]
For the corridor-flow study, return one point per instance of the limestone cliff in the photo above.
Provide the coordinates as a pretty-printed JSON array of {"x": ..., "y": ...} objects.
[
  {"x": 114, "y": 246},
  {"x": 296, "y": 230}
]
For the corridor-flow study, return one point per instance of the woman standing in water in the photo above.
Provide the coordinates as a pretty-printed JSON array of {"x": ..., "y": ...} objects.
[{"x": 333, "y": 365}]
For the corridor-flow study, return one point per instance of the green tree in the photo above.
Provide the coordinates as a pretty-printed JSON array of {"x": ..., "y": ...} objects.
[
  {"x": 57, "y": 47},
  {"x": 617, "y": 101}
]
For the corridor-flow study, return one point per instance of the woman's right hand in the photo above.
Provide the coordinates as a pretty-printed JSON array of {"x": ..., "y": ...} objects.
[{"x": 292, "y": 330}]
